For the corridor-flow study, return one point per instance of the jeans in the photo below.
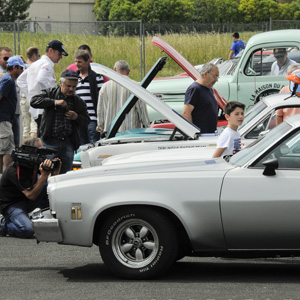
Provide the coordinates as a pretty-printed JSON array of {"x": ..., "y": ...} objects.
[
  {"x": 65, "y": 151},
  {"x": 89, "y": 134},
  {"x": 16, "y": 221}
]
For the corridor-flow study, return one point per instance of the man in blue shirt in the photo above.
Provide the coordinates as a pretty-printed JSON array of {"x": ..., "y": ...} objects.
[
  {"x": 200, "y": 105},
  {"x": 236, "y": 46},
  {"x": 8, "y": 104}
]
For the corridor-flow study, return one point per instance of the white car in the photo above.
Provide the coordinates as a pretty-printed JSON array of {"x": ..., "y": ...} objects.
[
  {"x": 259, "y": 119},
  {"x": 146, "y": 215}
]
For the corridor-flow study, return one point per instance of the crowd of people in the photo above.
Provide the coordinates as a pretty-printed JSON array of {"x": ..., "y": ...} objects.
[
  {"x": 79, "y": 110},
  {"x": 60, "y": 117}
]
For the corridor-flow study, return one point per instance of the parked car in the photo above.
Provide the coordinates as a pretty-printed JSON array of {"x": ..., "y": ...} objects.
[
  {"x": 145, "y": 216},
  {"x": 246, "y": 79},
  {"x": 151, "y": 134},
  {"x": 258, "y": 120},
  {"x": 185, "y": 134}
]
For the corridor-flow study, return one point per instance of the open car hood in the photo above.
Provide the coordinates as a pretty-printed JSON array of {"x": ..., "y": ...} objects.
[
  {"x": 186, "y": 65},
  {"x": 182, "y": 125}
]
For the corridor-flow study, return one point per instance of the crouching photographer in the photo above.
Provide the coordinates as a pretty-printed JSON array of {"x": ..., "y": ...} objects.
[{"x": 23, "y": 187}]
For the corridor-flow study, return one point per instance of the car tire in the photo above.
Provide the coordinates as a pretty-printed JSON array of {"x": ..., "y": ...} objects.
[{"x": 138, "y": 243}]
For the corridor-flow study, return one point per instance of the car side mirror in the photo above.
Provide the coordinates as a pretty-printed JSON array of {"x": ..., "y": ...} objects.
[
  {"x": 270, "y": 166},
  {"x": 263, "y": 133}
]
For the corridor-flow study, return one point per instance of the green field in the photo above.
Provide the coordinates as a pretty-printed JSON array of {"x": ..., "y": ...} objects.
[{"x": 197, "y": 48}]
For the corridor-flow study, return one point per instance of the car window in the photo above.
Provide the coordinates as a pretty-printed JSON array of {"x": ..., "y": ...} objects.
[
  {"x": 269, "y": 121},
  {"x": 261, "y": 127},
  {"x": 253, "y": 112},
  {"x": 261, "y": 61},
  {"x": 259, "y": 146},
  {"x": 287, "y": 153}
]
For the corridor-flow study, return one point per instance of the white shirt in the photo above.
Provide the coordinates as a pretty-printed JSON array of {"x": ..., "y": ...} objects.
[
  {"x": 276, "y": 70},
  {"x": 231, "y": 140},
  {"x": 39, "y": 76}
]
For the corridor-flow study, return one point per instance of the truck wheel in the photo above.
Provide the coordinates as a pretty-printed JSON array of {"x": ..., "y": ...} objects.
[{"x": 138, "y": 243}]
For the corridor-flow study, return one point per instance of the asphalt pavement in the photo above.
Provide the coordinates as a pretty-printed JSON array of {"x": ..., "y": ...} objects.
[{"x": 50, "y": 271}]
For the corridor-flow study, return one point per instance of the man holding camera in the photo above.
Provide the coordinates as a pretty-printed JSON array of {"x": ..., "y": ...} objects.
[
  {"x": 64, "y": 113},
  {"x": 22, "y": 190}
]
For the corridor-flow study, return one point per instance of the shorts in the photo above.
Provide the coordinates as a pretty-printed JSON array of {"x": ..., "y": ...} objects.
[{"x": 7, "y": 144}]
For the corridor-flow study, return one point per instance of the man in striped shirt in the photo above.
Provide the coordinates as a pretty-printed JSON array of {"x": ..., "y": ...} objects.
[
  {"x": 88, "y": 87},
  {"x": 111, "y": 99}
]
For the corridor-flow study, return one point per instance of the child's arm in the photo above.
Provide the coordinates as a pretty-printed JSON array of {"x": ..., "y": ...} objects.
[{"x": 218, "y": 152}]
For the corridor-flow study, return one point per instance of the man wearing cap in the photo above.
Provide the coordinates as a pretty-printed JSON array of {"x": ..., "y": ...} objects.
[
  {"x": 279, "y": 67},
  {"x": 41, "y": 75},
  {"x": 8, "y": 104},
  {"x": 64, "y": 113}
]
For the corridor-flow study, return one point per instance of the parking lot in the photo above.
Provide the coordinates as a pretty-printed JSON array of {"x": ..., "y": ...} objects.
[{"x": 51, "y": 271}]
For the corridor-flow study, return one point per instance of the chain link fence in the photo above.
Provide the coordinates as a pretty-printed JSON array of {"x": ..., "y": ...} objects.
[{"x": 134, "y": 28}]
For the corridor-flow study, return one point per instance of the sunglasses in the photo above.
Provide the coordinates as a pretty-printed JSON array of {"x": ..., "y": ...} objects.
[{"x": 5, "y": 58}]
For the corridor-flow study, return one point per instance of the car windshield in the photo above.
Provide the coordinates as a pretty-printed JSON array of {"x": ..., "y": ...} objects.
[
  {"x": 258, "y": 146},
  {"x": 256, "y": 109}
]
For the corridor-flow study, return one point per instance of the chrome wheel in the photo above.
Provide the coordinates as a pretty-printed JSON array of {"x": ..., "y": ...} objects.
[
  {"x": 138, "y": 242},
  {"x": 135, "y": 243}
]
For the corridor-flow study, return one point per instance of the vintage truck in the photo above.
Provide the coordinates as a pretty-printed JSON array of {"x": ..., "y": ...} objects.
[{"x": 245, "y": 79}]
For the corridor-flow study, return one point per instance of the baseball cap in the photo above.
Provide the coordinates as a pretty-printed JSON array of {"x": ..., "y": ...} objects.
[
  {"x": 57, "y": 45},
  {"x": 69, "y": 74},
  {"x": 279, "y": 52},
  {"x": 15, "y": 61}
]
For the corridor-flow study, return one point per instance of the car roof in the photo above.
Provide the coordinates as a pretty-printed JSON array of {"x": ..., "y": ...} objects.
[
  {"x": 281, "y": 99},
  {"x": 289, "y": 35}
]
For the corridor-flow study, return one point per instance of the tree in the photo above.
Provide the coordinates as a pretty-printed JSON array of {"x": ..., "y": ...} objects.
[
  {"x": 285, "y": 12},
  {"x": 204, "y": 11},
  {"x": 146, "y": 10},
  {"x": 168, "y": 11},
  {"x": 227, "y": 11},
  {"x": 258, "y": 10},
  {"x": 122, "y": 10},
  {"x": 12, "y": 10}
]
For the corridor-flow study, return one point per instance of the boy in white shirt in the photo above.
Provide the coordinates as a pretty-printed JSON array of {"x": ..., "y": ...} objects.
[{"x": 229, "y": 141}]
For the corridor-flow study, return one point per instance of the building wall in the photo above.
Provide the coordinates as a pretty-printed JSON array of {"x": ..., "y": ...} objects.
[{"x": 61, "y": 10}]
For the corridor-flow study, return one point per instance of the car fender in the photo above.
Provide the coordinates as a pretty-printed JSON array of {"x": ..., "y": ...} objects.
[{"x": 175, "y": 192}]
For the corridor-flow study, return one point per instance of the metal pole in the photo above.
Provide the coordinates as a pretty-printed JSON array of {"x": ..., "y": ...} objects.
[
  {"x": 15, "y": 47},
  {"x": 141, "y": 47},
  {"x": 18, "y": 27}
]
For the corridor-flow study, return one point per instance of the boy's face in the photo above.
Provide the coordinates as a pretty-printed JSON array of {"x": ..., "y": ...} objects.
[{"x": 236, "y": 117}]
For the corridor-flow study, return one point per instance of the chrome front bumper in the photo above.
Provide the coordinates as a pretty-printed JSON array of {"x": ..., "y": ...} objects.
[{"x": 46, "y": 227}]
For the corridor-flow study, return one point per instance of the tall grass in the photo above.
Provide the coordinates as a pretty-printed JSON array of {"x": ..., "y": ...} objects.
[{"x": 197, "y": 48}]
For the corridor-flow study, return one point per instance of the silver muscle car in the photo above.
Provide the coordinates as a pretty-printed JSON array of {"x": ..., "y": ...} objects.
[{"x": 146, "y": 215}]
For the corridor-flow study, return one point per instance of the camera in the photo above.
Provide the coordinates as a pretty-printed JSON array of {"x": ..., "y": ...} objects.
[{"x": 32, "y": 157}]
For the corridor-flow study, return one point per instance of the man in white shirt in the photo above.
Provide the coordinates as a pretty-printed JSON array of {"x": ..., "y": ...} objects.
[
  {"x": 279, "y": 67},
  {"x": 41, "y": 75},
  {"x": 112, "y": 97},
  {"x": 28, "y": 125}
]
